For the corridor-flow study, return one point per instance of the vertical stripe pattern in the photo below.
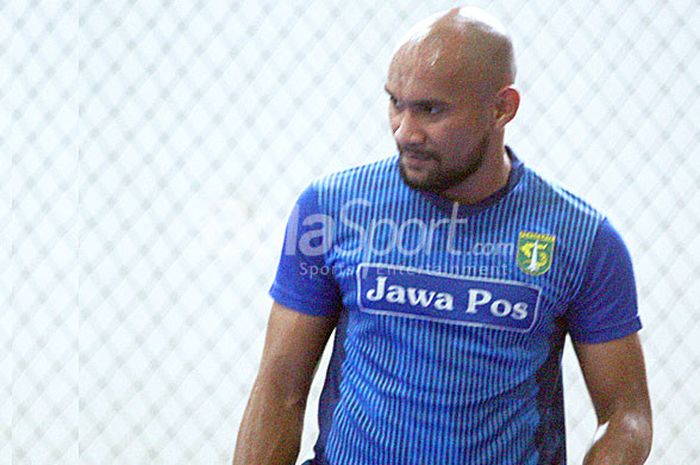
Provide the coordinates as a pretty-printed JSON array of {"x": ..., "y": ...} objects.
[{"x": 410, "y": 390}]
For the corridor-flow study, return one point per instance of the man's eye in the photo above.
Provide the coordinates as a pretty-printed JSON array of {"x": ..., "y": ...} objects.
[{"x": 431, "y": 109}]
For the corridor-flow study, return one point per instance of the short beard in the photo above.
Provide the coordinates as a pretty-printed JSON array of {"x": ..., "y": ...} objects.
[{"x": 439, "y": 181}]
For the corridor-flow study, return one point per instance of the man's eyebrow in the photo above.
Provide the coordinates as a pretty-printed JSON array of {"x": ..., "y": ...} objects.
[{"x": 422, "y": 102}]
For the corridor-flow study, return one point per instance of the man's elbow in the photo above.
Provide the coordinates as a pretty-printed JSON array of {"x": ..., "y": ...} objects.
[
  {"x": 288, "y": 393},
  {"x": 641, "y": 430},
  {"x": 636, "y": 431}
]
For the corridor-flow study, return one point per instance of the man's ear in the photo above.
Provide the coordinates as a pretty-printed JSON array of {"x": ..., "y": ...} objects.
[{"x": 506, "y": 105}]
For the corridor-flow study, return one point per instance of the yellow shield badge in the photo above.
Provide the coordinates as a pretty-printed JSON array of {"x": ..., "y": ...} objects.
[{"x": 535, "y": 251}]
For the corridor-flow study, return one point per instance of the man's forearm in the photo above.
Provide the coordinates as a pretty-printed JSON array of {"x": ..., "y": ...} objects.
[
  {"x": 624, "y": 440},
  {"x": 270, "y": 433}
]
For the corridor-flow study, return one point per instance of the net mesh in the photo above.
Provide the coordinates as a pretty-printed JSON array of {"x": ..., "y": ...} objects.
[{"x": 152, "y": 152}]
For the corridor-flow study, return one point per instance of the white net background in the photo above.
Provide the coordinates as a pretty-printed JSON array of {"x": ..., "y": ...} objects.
[{"x": 151, "y": 151}]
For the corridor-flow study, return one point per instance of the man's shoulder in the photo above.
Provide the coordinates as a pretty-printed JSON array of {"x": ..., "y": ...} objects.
[{"x": 562, "y": 200}]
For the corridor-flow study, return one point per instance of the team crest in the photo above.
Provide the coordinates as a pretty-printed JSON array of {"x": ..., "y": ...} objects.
[{"x": 535, "y": 252}]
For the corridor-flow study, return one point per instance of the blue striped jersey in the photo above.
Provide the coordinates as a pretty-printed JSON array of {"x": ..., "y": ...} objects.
[{"x": 451, "y": 318}]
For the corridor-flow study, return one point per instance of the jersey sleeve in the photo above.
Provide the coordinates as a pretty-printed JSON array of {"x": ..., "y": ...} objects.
[
  {"x": 303, "y": 281},
  {"x": 605, "y": 307}
]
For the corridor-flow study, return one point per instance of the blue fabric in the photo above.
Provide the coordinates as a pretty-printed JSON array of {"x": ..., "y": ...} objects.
[
  {"x": 451, "y": 318},
  {"x": 304, "y": 282},
  {"x": 601, "y": 311}
]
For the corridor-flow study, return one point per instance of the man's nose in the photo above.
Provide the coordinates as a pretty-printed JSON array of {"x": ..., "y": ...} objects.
[{"x": 408, "y": 130}]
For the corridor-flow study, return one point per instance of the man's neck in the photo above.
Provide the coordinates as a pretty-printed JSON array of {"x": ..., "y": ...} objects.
[{"x": 492, "y": 176}]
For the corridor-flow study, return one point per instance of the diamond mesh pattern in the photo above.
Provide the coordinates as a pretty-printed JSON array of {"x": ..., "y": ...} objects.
[{"x": 152, "y": 150}]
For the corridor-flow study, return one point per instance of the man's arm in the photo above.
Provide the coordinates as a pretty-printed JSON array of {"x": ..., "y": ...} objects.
[
  {"x": 270, "y": 433},
  {"x": 616, "y": 380}
]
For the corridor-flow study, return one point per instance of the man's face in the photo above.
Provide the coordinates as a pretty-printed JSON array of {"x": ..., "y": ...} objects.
[{"x": 441, "y": 127}]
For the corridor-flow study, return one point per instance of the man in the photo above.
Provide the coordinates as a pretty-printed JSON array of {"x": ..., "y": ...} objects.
[{"x": 451, "y": 274}]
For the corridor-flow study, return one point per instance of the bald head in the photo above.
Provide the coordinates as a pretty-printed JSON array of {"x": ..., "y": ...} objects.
[
  {"x": 450, "y": 99},
  {"x": 466, "y": 44}
]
